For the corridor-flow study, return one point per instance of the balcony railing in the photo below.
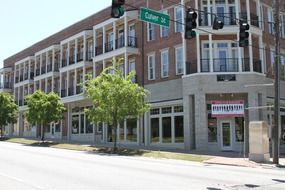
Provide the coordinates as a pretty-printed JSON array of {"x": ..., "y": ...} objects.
[
  {"x": 56, "y": 68},
  {"x": 71, "y": 59},
  {"x": 63, "y": 63},
  {"x": 49, "y": 68},
  {"x": 99, "y": 50},
  {"x": 16, "y": 79},
  {"x": 37, "y": 72},
  {"x": 89, "y": 55},
  {"x": 26, "y": 76},
  {"x": 20, "y": 103},
  {"x": 70, "y": 91},
  {"x": 79, "y": 89},
  {"x": 253, "y": 18},
  {"x": 43, "y": 70},
  {"x": 79, "y": 56},
  {"x": 109, "y": 46},
  {"x": 63, "y": 93},
  {"x": 227, "y": 18},
  {"x": 21, "y": 78},
  {"x": 32, "y": 75},
  {"x": 5, "y": 85},
  {"x": 132, "y": 41}
]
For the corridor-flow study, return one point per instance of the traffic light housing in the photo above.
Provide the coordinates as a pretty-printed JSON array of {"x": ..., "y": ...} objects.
[
  {"x": 243, "y": 34},
  {"x": 117, "y": 8},
  {"x": 218, "y": 24},
  {"x": 190, "y": 24}
]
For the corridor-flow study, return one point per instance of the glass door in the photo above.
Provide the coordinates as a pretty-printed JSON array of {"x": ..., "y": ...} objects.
[{"x": 226, "y": 137}]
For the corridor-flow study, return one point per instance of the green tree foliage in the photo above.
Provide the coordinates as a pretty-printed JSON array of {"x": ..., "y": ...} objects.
[
  {"x": 8, "y": 110},
  {"x": 114, "y": 98},
  {"x": 43, "y": 109}
]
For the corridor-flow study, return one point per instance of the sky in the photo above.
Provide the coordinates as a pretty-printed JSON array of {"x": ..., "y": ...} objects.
[{"x": 25, "y": 22}]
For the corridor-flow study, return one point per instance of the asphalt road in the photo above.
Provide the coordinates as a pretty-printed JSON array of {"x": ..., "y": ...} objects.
[{"x": 37, "y": 168}]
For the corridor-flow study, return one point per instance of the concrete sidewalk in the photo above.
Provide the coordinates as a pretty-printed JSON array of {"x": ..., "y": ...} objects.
[{"x": 243, "y": 162}]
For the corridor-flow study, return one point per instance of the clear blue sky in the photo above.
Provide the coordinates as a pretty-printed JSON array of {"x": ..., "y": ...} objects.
[{"x": 25, "y": 22}]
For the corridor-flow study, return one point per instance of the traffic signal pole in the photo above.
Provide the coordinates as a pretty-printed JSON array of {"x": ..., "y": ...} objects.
[{"x": 276, "y": 127}]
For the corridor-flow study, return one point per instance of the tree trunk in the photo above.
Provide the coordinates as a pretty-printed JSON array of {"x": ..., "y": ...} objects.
[
  {"x": 115, "y": 137},
  {"x": 1, "y": 131},
  {"x": 42, "y": 132}
]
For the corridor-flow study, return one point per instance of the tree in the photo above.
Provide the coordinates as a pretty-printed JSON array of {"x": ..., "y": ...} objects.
[
  {"x": 114, "y": 98},
  {"x": 43, "y": 109},
  {"x": 8, "y": 110}
]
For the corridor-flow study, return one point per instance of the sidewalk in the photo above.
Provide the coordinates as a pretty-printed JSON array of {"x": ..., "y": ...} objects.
[{"x": 243, "y": 162}]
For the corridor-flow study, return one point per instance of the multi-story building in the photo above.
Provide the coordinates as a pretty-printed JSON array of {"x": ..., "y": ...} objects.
[{"x": 198, "y": 88}]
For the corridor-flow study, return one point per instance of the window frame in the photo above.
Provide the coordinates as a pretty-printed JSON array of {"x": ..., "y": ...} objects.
[
  {"x": 176, "y": 60},
  {"x": 153, "y": 67},
  {"x": 163, "y": 62}
]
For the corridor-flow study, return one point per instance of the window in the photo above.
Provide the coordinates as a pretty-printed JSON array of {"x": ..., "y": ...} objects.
[
  {"x": 132, "y": 67},
  {"x": 151, "y": 67},
  {"x": 164, "y": 30},
  {"x": 179, "y": 60},
  {"x": 75, "y": 124},
  {"x": 131, "y": 130},
  {"x": 179, "y": 129},
  {"x": 151, "y": 32},
  {"x": 166, "y": 130},
  {"x": 212, "y": 126},
  {"x": 239, "y": 129},
  {"x": 89, "y": 126},
  {"x": 154, "y": 111},
  {"x": 164, "y": 63},
  {"x": 178, "y": 19},
  {"x": 166, "y": 110},
  {"x": 154, "y": 124},
  {"x": 270, "y": 20}
]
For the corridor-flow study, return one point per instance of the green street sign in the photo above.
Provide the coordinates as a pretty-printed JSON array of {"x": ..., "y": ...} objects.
[{"x": 154, "y": 17}]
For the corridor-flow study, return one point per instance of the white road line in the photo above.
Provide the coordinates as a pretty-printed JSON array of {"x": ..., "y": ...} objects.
[{"x": 21, "y": 181}]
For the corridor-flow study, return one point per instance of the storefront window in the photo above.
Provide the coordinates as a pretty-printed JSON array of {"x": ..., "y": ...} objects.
[
  {"x": 131, "y": 130},
  {"x": 166, "y": 129},
  {"x": 239, "y": 129},
  {"x": 89, "y": 126},
  {"x": 154, "y": 123},
  {"x": 179, "y": 129},
  {"x": 212, "y": 129},
  {"x": 283, "y": 129},
  {"x": 82, "y": 124},
  {"x": 122, "y": 136},
  {"x": 57, "y": 127},
  {"x": 75, "y": 124}
]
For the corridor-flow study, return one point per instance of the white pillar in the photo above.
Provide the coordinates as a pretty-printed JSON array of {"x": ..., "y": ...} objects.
[
  {"x": 46, "y": 61},
  {"x": 76, "y": 49},
  {"x": 126, "y": 64},
  {"x": 237, "y": 5},
  {"x": 41, "y": 59},
  {"x": 261, "y": 55},
  {"x": 126, "y": 30},
  {"x": 68, "y": 53},
  {"x": 104, "y": 39},
  {"x": 67, "y": 87},
  {"x": 94, "y": 70},
  {"x": 84, "y": 72},
  {"x": 46, "y": 81},
  {"x": 239, "y": 56},
  {"x": 61, "y": 55},
  {"x": 53, "y": 59},
  {"x": 209, "y": 15},
  {"x": 24, "y": 72},
  {"x": 211, "y": 53},
  {"x": 184, "y": 45},
  {"x": 75, "y": 80},
  {"x": 259, "y": 13},
  {"x": 29, "y": 70},
  {"x": 198, "y": 53},
  {"x": 250, "y": 52},
  {"x": 104, "y": 64},
  {"x": 94, "y": 43},
  {"x": 68, "y": 121},
  {"x": 60, "y": 84},
  {"x": 52, "y": 83},
  {"x": 84, "y": 47},
  {"x": 114, "y": 34}
]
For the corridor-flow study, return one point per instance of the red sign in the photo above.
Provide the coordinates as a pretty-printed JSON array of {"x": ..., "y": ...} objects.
[{"x": 233, "y": 108}]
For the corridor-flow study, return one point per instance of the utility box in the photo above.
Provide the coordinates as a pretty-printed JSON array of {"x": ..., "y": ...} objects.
[{"x": 258, "y": 141}]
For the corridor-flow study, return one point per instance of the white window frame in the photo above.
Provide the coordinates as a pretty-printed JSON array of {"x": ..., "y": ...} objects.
[
  {"x": 150, "y": 30},
  {"x": 163, "y": 28},
  {"x": 153, "y": 66},
  {"x": 164, "y": 63},
  {"x": 178, "y": 20},
  {"x": 176, "y": 60},
  {"x": 270, "y": 20}
]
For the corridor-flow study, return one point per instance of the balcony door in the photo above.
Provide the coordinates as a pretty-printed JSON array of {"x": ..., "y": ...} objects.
[
  {"x": 221, "y": 57},
  {"x": 220, "y": 10},
  {"x": 121, "y": 39}
]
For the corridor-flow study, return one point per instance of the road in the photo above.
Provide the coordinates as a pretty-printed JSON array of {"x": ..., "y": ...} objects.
[{"x": 39, "y": 168}]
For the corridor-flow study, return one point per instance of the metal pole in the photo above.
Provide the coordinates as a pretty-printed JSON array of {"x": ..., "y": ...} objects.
[{"x": 276, "y": 127}]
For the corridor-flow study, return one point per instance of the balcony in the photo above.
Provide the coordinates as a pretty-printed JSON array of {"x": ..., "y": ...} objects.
[
  {"x": 99, "y": 50},
  {"x": 70, "y": 91},
  {"x": 37, "y": 72},
  {"x": 21, "y": 78},
  {"x": 64, "y": 63},
  {"x": 71, "y": 59},
  {"x": 49, "y": 68},
  {"x": 43, "y": 70},
  {"x": 5, "y": 85},
  {"x": 16, "y": 79},
  {"x": 79, "y": 89},
  {"x": 26, "y": 76},
  {"x": 109, "y": 46},
  {"x": 32, "y": 75},
  {"x": 228, "y": 19},
  {"x": 89, "y": 55},
  {"x": 63, "y": 93},
  {"x": 79, "y": 56},
  {"x": 56, "y": 68}
]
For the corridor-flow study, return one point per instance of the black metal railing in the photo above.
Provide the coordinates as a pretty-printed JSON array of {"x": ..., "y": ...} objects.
[
  {"x": 99, "y": 50},
  {"x": 245, "y": 65},
  {"x": 43, "y": 71},
  {"x": 32, "y": 75},
  {"x": 132, "y": 41},
  {"x": 79, "y": 89},
  {"x": 37, "y": 72},
  {"x": 56, "y": 68},
  {"x": 71, "y": 59},
  {"x": 70, "y": 91},
  {"x": 227, "y": 18},
  {"x": 79, "y": 56},
  {"x": 16, "y": 79},
  {"x": 225, "y": 65},
  {"x": 89, "y": 55},
  {"x": 109, "y": 46},
  {"x": 5, "y": 85},
  {"x": 253, "y": 18},
  {"x": 120, "y": 42},
  {"x": 26, "y": 76},
  {"x": 20, "y": 103},
  {"x": 49, "y": 68},
  {"x": 63, "y": 93},
  {"x": 21, "y": 78},
  {"x": 63, "y": 63},
  {"x": 257, "y": 65}
]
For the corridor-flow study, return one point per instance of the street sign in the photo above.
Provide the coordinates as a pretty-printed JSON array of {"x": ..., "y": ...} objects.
[{"x": 154, "y": 17}]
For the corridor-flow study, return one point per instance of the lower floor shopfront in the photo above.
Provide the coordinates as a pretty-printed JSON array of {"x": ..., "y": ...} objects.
[{"x": 188, "y": 117}]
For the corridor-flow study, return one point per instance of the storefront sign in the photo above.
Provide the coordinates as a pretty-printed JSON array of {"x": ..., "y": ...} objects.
[{"x": 228, "y": 108}]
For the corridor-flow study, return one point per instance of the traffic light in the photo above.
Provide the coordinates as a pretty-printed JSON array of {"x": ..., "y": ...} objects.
[
  {"x": 117, "y": 8},
  {"x": 190, "y": 24},
  {"x": 243, "y": 34},
  {"x": 218, "y": 24}
]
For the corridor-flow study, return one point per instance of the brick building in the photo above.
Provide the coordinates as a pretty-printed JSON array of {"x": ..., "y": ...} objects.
[{"x": 198, "y": 86}]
